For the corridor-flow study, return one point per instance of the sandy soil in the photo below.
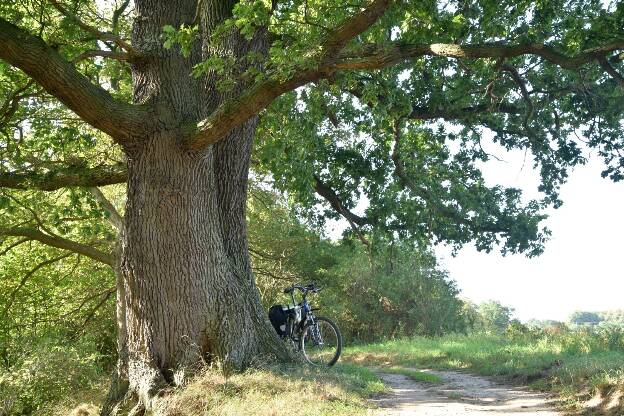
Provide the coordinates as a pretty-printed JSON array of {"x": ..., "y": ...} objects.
[{"x": 459, "y": 394}]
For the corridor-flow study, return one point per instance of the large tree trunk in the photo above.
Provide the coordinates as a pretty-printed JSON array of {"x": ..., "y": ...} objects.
[{"x": 188, "y": 291}]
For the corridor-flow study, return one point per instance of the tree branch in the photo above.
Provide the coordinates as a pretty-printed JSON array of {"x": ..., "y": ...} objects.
[
  {"x": 406, "y": 182},
  {"x": 336, "y": 40},
  {"x": 51, "y": 181},
  {"x": 525, "y": 93},
  {"x": 604, "y": 63},
  {"x": 91, "y": 102},
  {"x": 28, "y": 275},
  {"x": 11, "y": 104},
  {"x": 59, "y": 242},
  {"x": 369, "y": 57},
  {"x": 336, "y": 203},
  {"x": 113, "y": 215},
  {"x": 103, "y": 36},
  {"x": 238, "y": 110},
  {"x": 12, "y": 246},
  {"x": 119, "y": 56}
]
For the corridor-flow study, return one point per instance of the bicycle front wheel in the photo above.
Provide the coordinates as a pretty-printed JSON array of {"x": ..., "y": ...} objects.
[{"x": 321, "y": 342}]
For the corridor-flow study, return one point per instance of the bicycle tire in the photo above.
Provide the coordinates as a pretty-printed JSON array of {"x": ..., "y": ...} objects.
[{"x": 338, "y": 347}]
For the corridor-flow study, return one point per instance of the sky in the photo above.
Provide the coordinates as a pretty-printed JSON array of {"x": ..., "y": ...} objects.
[
  {"x": 582, "y": 265},
  {"x": 581, "y": 268}
]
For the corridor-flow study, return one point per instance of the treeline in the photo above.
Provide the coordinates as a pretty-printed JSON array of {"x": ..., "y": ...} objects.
[
  {"x": 57, "y": 327},
  {"x": 586, "y": 318},
  {"x": 377, "y": 292}
]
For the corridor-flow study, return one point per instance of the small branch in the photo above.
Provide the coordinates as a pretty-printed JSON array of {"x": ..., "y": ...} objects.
[
  {"x": 11, "y": 104},
  {"x": 119, "y": 56},
  {"x": 443, "y": 111},
  {"x": 59, "y": 242},
  {"x": 12, "y": 246},
  {"x": 86, "y": 299},
  {"x": 611, "y": 71},
  {"x": 11, "y": 296},
  {"x": 525, "y": 93},
  {"x": 103, "y": 36},
  {"x": 428, "y": 113},
  {"x": 336, "y": 203},
  {"x": 117, "y": 14},
  {"x": 113, "y": 215},
  {"x": 102, "y": 301},
  {"x": 406, "y": 182},
  {"x": 354, "y": 220}
]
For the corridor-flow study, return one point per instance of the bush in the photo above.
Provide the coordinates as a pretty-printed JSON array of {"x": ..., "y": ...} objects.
[{"x": 46, "y": 372}]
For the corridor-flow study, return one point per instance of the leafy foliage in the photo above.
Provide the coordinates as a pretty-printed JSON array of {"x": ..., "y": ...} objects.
[{"x": 395, "y": 150}]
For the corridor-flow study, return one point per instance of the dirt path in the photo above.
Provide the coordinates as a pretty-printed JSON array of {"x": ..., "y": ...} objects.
[{"x": 459, "y": 394}]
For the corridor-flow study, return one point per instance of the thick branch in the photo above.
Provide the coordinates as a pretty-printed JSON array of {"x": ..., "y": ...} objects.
[
  {"x": 59, "y": 242},
  {"x": 236, "y": 111},
  {"x": 51, "y": 181},
  {"x": 91, "y": 102},
  {"x": 355, "y": 25},
  {"x": 372, "y": 57}
]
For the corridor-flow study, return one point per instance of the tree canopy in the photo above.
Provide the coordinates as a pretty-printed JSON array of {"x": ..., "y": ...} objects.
[
  {"x": 382, "y": 102},
  {"x": 375, "y": 111}
]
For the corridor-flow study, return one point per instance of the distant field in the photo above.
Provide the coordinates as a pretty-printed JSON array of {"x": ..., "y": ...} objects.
[{"x": 574, "y": 365}]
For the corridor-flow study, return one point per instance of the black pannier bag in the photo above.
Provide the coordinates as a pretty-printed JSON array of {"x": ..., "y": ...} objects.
[{"x": 277, "y": 316}]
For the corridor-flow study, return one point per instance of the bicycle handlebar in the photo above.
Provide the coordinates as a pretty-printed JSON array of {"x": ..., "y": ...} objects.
[{"x": 304, "y": 289}]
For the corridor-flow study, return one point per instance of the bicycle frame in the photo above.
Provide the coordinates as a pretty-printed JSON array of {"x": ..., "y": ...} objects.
[{"x": 307, "y": 316}]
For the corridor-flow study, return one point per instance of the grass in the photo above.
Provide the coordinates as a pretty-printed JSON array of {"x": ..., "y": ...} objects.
[
  {"x": 274, "y": 391},
  {"x": 567, "y": 364},
  {"x": 413, "y": 374}
]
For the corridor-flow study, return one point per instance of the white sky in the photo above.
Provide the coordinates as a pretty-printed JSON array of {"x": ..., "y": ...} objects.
[{"x": 581, "y": 268}]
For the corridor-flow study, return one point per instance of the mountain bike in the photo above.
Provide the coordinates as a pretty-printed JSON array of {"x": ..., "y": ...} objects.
[{"x": 316, "y": 337}]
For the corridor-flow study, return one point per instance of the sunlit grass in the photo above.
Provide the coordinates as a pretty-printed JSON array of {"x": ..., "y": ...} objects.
[
  {"x": 415, "y": 375},
  {"x": 276, "y": 391},
  {"x": 567, "y": 364}
]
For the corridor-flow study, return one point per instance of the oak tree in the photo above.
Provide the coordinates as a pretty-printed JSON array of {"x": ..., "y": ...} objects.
[{"x": 380, "y": 100}]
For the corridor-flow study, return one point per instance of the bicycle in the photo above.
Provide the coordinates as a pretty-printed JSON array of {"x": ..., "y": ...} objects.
[{"x": 316, "y": 337}]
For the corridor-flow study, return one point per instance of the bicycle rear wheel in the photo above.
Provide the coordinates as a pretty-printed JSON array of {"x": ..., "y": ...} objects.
[{"x": 321, "y": 342}]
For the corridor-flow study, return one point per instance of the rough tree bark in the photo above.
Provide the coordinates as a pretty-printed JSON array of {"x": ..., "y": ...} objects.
[{"x": 187, "y": 293}]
